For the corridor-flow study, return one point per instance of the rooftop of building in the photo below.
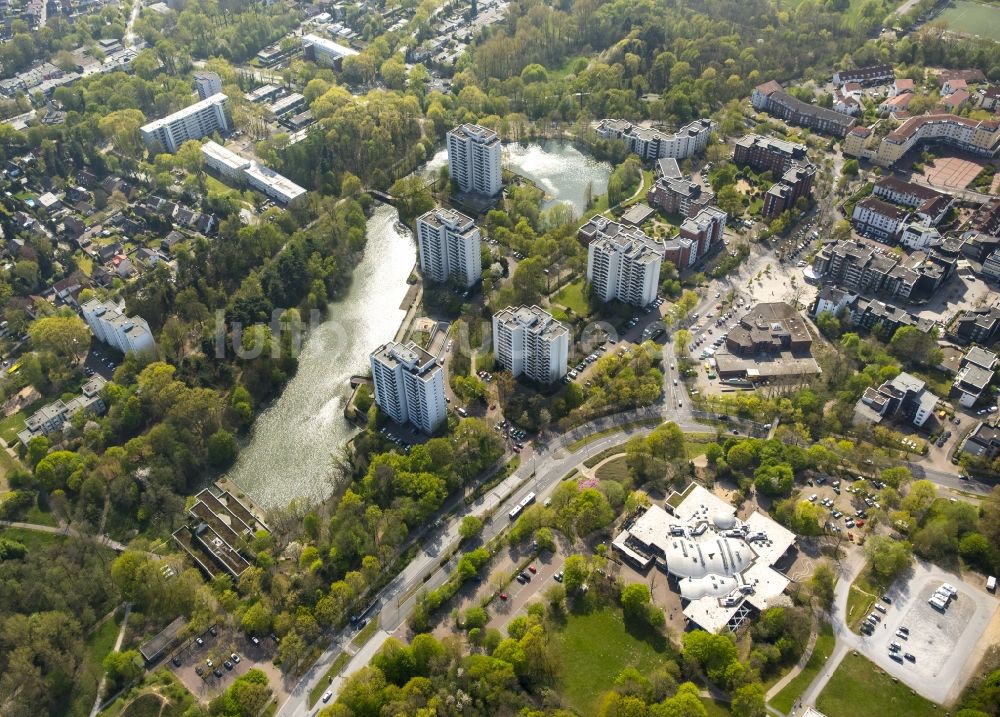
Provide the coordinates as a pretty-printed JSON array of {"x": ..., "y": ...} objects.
[
  {"x": 217, "y": 99},
  {"x": 446, "y": 216},
  {"x": 410, "y": 356},
  {"x": 478, "y": 133},
  {"x": 328, "y": 45},
  {"x": 224, "y": 156},
  {"x": 534, "y": 317},
  {"x": 980, "y": 357},
  {"x": 911, "y": 126},
  {"x": 876, "y": 205}
]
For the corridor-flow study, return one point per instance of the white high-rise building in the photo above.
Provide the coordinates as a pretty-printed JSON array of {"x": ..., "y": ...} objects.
[
  {"x": 474, "y": 159},
  {"x": 409, "y": 385},
  {"x": 623, "y": 263},
  {"x": 449, "y": 246},
  {"x": 109, "y": 324},
  {"x": 193, "y": 122},
  {"x": 207, "y": 84},
  {"x": 527, "y": 340}
]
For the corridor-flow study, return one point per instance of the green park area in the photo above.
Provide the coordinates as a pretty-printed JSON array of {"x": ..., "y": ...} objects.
[
  {"x": 972, "y": 18},
  {"x": 860, "y": 689},
  {"x": 825, "y": 643},
  {"x": 595, "y": 647}
]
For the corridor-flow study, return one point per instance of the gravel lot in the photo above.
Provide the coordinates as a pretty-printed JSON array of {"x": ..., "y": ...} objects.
[{"x": 941, "y": 642}]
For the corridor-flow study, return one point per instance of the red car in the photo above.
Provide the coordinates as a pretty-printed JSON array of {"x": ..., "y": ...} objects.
[
  {"x": 859, "y": 523},
  {"x": 503, "y": 596},
  {"x": 533, "y": 569}
]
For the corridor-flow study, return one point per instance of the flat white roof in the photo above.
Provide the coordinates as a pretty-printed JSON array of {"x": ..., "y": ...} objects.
[
  {"x": 283, "y": 186},
  {"x": 223, "y": 156},
  {"x": 330, "y": 46},
  {"x": 217, "y": 99}
]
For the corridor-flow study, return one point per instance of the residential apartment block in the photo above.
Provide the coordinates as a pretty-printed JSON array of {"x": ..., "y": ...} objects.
[
  {"x": 929, "y": 205},
  {"x": 449, "y": 245},
  {"x": 622, "y": 262},
  {"x": 109, "y": 324},
  {"x": 52, "y": 417},
  {"x": 325, "y": 52},
  {"x": 979, "y": 325},
  {"x": 980, "y": 137},
  {"x": 652, "y": 144},
  {"x": 863, "y": 268},
  {"x": 528, "y": 341},
  {"x": 796, "y": 182},
  {"x": 704, "y": 232},
  {"x": 207, "y": 84},
  {"x": 884, "y": 219},
  {"x": 679, "y": 196},
  {"x": 770, "y": 97},
  {"x": 764, "y": 154},
  {"x": 474, "y": 159},
  {"x": 873, "y": 75},
  {"x": 409, "y": 385},
  {"x": 193, "y": 122},
  {"x": 905, "y": 396},
  {"x": 975, "y": 373},
  {"x": 241, "y": 170}
]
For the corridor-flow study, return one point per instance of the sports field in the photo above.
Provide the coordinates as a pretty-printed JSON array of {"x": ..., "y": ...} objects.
[{"x": 973, "y": 18}]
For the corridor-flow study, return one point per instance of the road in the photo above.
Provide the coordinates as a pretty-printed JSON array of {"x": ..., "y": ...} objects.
[
  {"x": 129, "y": 38},
  {"x": 540, "y": 472}
]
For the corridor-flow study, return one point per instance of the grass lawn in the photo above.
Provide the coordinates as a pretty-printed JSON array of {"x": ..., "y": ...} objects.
[
  {"x": 366, "y": 633},
  {"x": 10, "y": 425},
  {"x": 595, "y": 648},
  {"x": 85, "y": 263},
  {"x": 30, "y": 538},
  {"x": 973, "y": 18},
  {"x": 694, "y": 443},
  {"x": 40, "y": 517},
  {"x": 338, "y": 664},
  {"x": 825, "y": 642},
  {"x": 860, "y": 599},
  {"x": 615, "y": 469},
  {"x": 7, "y": 466},
  {"x": 715, "y": 709},
  {"x": 860, "y": 689},
  {"x": 102, "y": 640},
  {"x": 572, "y": 297}
]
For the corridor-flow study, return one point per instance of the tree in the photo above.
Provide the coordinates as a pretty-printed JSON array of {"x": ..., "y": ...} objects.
[
  {"x": 221, "y": 448},
  {"x": 913, "y": 346},
  {"x": 712, "y": 653},
  {"x": 822, "y": 584},
  {"x": 829, "y": 324},
  {"x": 730, "y": 201},
  {"x": 748, "y": 701},
  {"x": 851, "y": 168},
  {"x": 635, "y": 598},
  {"x": 65, "y": 336},
  {"x": 888, "y": 557},
  {"x": 575, "y": 573},
  {"x": 122, "y": 128},
  {"x": 123, "y": 668},
  {"x": 470, "y": 527}
]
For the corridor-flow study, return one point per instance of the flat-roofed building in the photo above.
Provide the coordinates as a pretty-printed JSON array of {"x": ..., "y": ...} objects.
[
  {"x": 207, "y": 84},
  {"x": 325, "y": 52},
  {"x": 409, "y": 385},
  {"x": 450, "y": 247},
  {"x": 193, "y": 122},
  {"x": 974, "y": 376},
  {"x": 110, "y": 325},
  {"x": 652, "y": 144},
  {"x": 705, "y": 231},
  {"x": 221, "y": 522},
  {"x": 241, "y": 170},
  {"x": 679, "y": 196},
  {"x": 288, "y": 104},
  {"x": 52, "y": 417},
  {"x": 906, "y": 395},
  {"x": 474, "y": 159},
  {"x": 528, "y": 341},
  {"x": 623, "y": 263},
  {"x": 763, "y": 154}
]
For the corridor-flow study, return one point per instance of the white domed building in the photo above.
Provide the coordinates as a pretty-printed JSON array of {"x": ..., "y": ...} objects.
[{"x": 721, "y": 566}]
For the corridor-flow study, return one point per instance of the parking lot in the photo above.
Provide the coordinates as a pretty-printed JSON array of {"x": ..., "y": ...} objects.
[
  {"x": 219, "y": 648},
  {"x": 942, "y": 643}
]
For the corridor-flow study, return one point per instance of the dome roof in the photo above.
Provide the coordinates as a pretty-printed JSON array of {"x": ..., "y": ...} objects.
[
  {"x": 724, "y": 521},
  {"x": 723, "y": 557}
]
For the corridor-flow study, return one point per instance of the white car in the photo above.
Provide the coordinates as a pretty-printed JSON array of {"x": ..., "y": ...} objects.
[{"x": 327, "y": 695}]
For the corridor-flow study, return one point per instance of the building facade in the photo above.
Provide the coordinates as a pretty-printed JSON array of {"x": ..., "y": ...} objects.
[
  {"x": 325, "y": 52},
  {"x": 207, "y": 84},
  {"x": 193, "y": 122},
  {"x": 623, "y": 263},
  {"x": 884, "y": 219},
  {"x": 763, "y": 154},
  {"x": 474, "y": 159},
  {"x": 409, "y": 385},
  {"x": 679, "y": 196},
  {"x": 770, "y": 97},
  {"x": 652, "y": 144},
  {"x": 704, "y": 232},
  {"x": 528, "y": 341},
  {"x": 449, "y": 245},
  {"x": 796, "y": 182},
  {"x": 980, "y": 137},
  {"x": 109, "y": 324}
]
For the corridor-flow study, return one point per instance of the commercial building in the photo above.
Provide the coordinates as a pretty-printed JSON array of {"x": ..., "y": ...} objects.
[
  {"x": 449, "y": 245},
  {"x": 881, "y": 218},
  {"x": 679, "y": 196},
  {"x": 763, "y": 154},
  {"x": 474, "y": 159},
  {"x": 980, "y": 137},
  {"x": 771, "y": 341},
  {"x": 52, "y": 417},
  {"x": 622, "y": 262},
  {"x": 929, "y": 205},
  {"x": 325, "y": 52},
  {"x": 528, "y": 341},
  {"x": 193, "y": 122},
  {"x": 207, "y": 84},
  {"x": 409, "y": 385},
  {"x": 975, "y": 374},
  {"x": 796, "y": 182},
  {"x": 873, "y": 75},
  {"x": 770, "y": 97},
  {"x": 109, "y": 324},
  {"x": 241, "y": 170},
  {"x": 904, "y": 396},
  {"x": 722, "y": 567},
  {"x": 652, "y": 144}
]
